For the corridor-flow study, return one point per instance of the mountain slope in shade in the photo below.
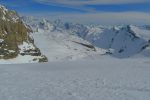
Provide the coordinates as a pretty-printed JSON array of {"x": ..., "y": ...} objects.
[
  {"x": 15, "y": 40},
  {"x": 125, "y": 41}
]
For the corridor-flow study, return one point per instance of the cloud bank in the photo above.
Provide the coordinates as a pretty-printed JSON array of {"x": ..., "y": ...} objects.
[
  {"x": 90, "y": 2},
  {"x": 103, "y": 18},
  {"x": 84, "y": 4}
]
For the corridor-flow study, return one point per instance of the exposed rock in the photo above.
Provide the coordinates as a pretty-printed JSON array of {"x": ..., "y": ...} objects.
[{"x": 13, "y": 34}]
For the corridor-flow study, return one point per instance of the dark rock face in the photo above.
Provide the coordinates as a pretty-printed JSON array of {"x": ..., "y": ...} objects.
[{"x": 13, "y": 32}]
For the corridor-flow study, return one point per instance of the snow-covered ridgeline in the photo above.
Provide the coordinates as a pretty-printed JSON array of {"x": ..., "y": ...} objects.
[{"x": 123, "y": 40}]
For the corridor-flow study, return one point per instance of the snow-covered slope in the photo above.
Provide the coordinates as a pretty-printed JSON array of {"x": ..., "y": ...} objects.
[
  {"x": 58, "y": 44},
  {"x": 105, "y": 78},
  {"x": 124, "y": 40}
]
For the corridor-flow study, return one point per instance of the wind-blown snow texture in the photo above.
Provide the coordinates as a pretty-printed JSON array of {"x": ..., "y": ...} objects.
[{"x": 104, "y": 78}]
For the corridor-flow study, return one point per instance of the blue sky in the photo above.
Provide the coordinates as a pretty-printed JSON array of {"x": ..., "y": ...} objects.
[
  {"x": 32, "y": 6},
  {"x": 61, "y": 8}
]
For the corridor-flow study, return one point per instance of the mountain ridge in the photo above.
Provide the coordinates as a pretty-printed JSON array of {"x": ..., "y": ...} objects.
[
  {"x": 121, "y": 41},
  {"x": 15, "y": 37},
  {"x": 30, "y": 38}
]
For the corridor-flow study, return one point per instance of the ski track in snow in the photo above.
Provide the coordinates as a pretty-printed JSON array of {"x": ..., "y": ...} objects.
[{"x": 126, "y": 79}]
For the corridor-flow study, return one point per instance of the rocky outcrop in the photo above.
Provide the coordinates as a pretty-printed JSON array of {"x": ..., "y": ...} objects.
[{"x": 14, "y": 36}]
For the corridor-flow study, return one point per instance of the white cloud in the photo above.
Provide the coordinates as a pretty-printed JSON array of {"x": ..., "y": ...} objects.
[
  {"x": 104, "y": 18},
  {"x": 86, "y": 2},
  {"x": 81, "y": 4}
]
